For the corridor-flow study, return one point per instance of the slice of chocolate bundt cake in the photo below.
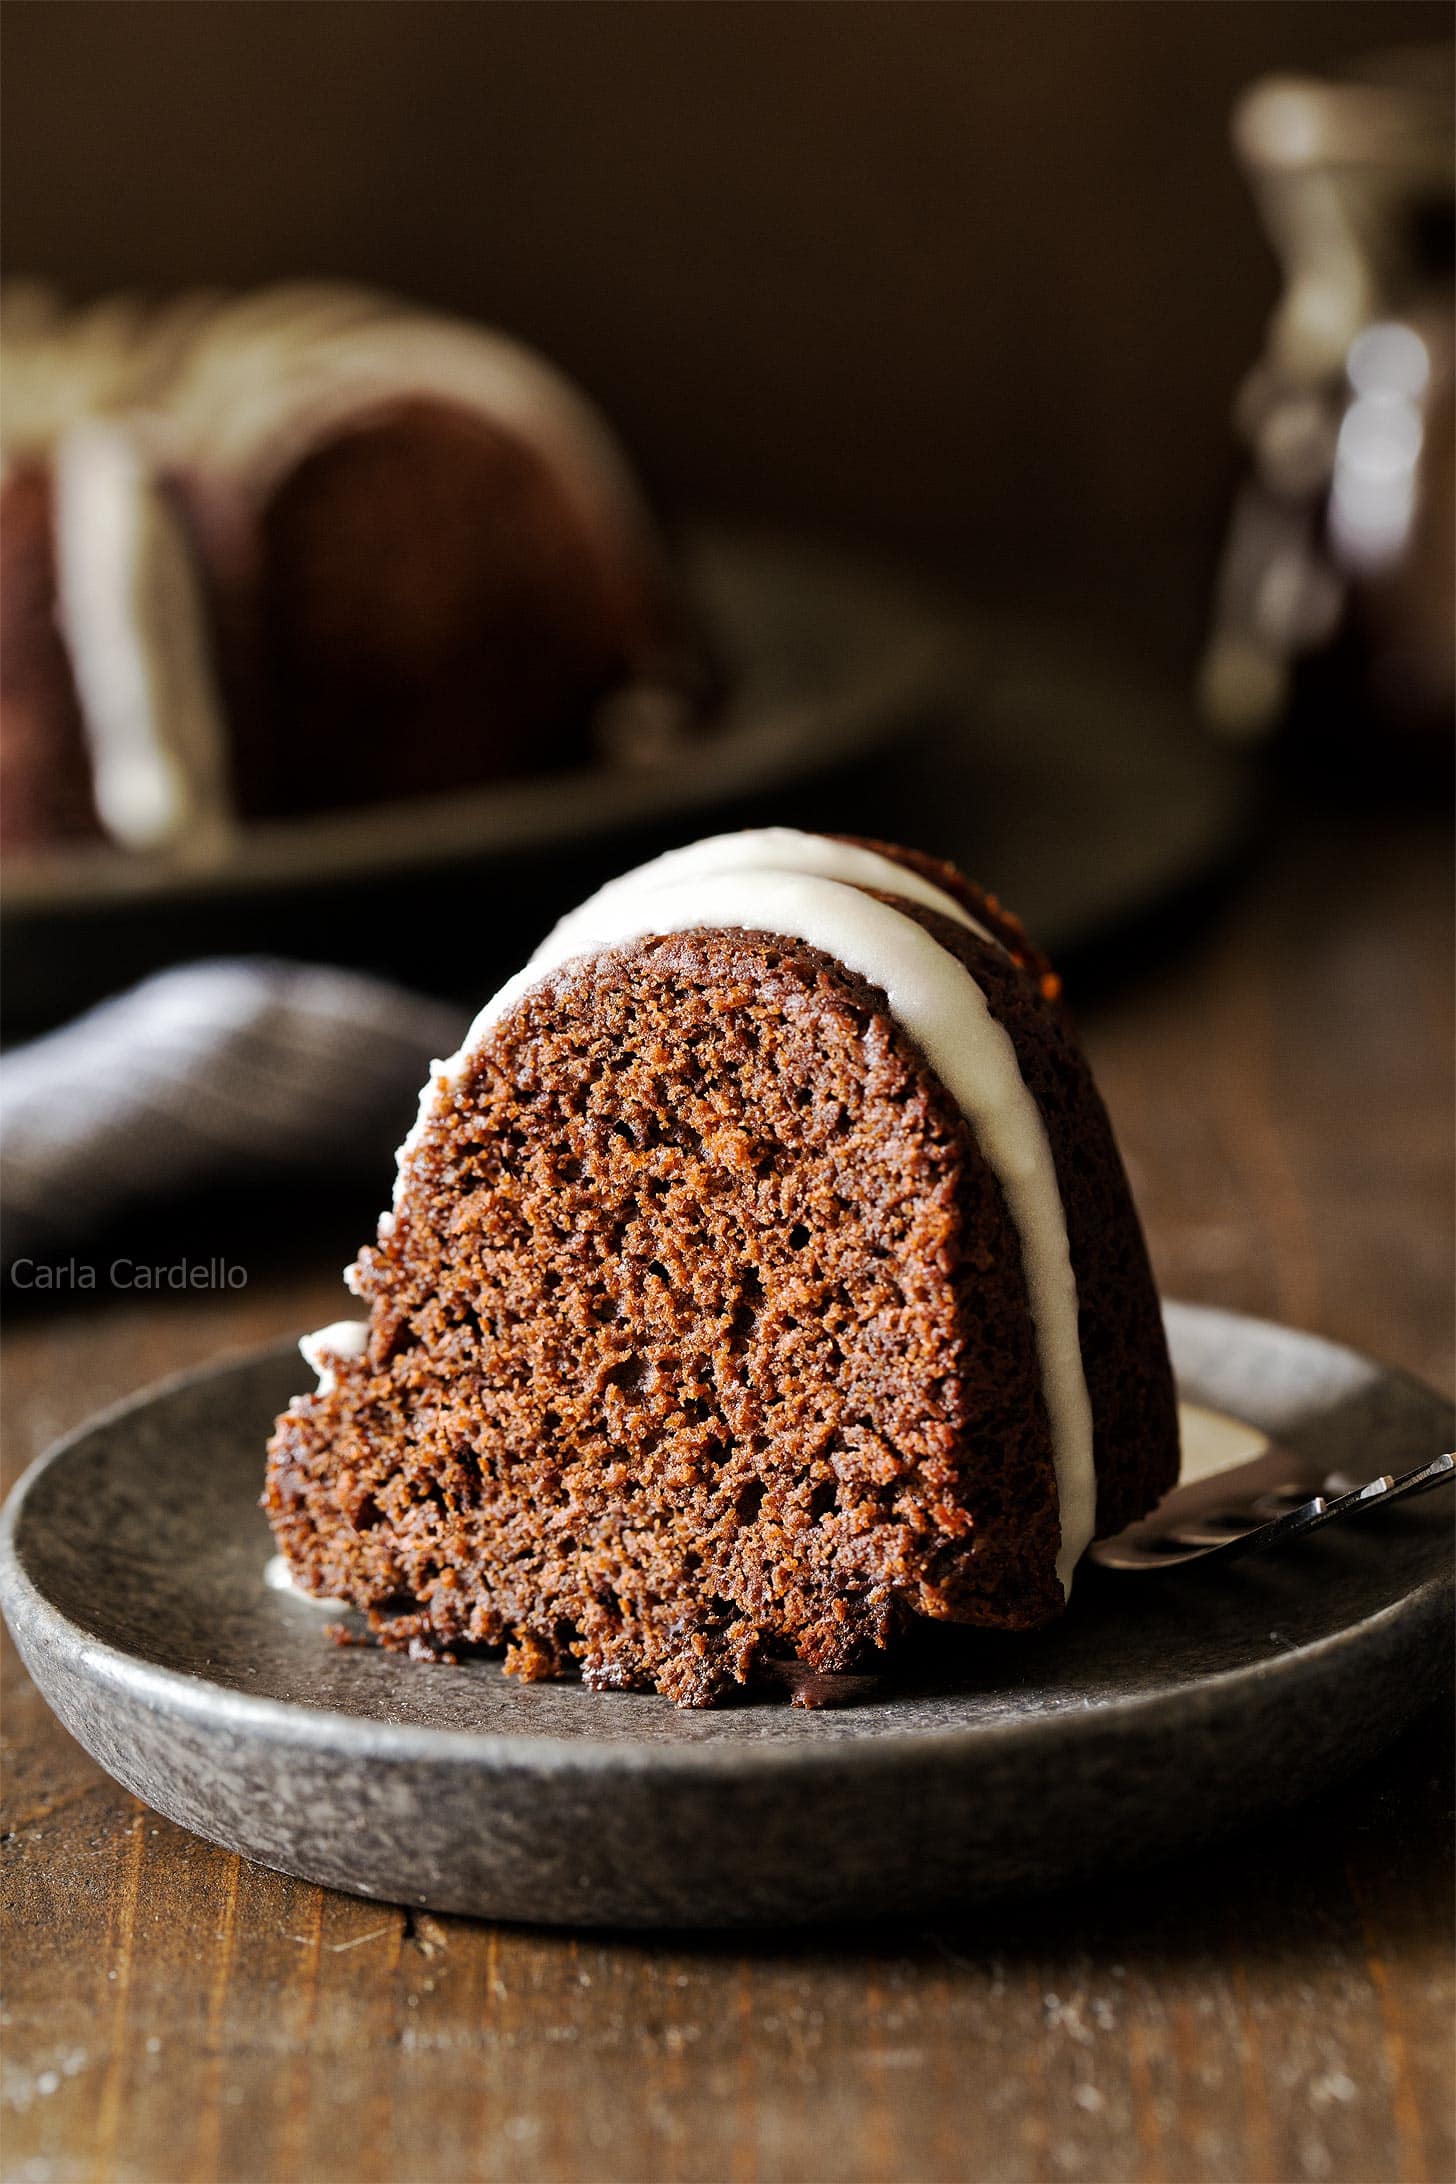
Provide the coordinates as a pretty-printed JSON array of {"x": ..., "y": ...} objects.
[{"x": 762, "y": 1275}]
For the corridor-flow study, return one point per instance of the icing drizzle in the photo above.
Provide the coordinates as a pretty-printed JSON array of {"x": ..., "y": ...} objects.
[
  {"x": 771, "y": 849},
  {"x": 130, "y": 608},
  {"x": 327, "y": 1346}
]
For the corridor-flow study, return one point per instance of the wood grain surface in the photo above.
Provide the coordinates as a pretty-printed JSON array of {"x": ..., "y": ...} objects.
[{"x": 1282, "y": 2009}]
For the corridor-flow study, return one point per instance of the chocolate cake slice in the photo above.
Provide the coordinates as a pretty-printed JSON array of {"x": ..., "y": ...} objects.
[{"x": 762, "y": 1277}]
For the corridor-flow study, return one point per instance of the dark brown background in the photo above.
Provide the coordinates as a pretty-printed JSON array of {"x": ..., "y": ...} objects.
[{"x": 976, "y": 281}]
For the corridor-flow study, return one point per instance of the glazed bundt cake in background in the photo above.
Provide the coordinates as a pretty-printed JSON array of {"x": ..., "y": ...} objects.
[
  {"x": 305, "y": 549},
  {"x": 762, "y": 1277}
]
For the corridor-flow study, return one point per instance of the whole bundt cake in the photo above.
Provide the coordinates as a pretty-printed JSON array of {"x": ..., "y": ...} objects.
[
  {"x": 762, "y": 1277},
  {"x": 309, "y": 548}
]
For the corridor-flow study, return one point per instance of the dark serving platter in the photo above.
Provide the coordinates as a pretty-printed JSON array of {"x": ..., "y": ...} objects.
[
  {"x": 1161, "y": 1712},
  {"x": 1080, "y": 789}
]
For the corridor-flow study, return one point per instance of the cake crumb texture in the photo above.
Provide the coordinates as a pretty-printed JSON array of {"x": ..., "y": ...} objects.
[{"x": 700, "y": 1341}]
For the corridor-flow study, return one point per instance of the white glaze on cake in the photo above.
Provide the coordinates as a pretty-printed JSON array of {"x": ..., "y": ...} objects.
[
  {"x": 276, "y": 374},
  {"x": 232, "y": 392},
  {"x": 246, "y": 383},
  {"x": 129, "y": 605},
  {"x": 341, "y": 1339},
  {"x": 934, "y": 999},
  {"x": 770, "y": 849}
]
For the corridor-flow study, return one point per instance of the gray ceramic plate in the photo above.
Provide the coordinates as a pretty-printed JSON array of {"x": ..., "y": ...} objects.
[{"x": 1163, "y": 1710}]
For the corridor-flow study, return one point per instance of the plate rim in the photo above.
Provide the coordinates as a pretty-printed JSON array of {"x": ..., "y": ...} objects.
[{"x": 29, "y": 1610}]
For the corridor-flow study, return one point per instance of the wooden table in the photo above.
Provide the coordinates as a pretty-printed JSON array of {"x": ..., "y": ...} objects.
[{"x": 1280, "y": 2010}]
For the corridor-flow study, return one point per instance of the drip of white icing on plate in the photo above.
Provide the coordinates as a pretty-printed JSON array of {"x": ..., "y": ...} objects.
[
  {"x": 932, "y": 996},
  {"x": 1213, "y": 1442},
  {"x": 279, "y": 1578}
]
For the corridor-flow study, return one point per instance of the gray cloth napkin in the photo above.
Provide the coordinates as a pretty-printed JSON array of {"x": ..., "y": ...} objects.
[{"x": 220, "y": 1072}]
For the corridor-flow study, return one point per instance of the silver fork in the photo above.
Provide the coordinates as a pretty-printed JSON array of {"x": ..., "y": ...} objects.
[{"x": 1276, "y": 1516}]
